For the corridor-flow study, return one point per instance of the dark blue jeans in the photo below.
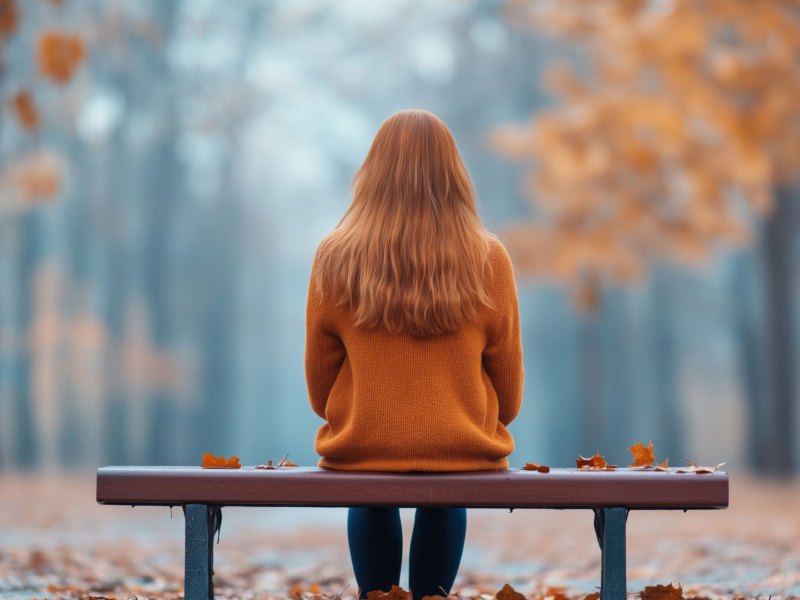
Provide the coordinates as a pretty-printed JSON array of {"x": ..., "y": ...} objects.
[{"x": 376, "y": 549}]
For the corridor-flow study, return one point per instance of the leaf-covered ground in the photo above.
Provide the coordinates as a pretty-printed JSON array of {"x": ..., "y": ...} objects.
[{"x": 55, "y": 541}]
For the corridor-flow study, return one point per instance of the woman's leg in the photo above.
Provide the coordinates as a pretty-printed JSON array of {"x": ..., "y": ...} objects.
[
  {"x": 436, "y": 546},
  {"x": 375, "y": 536}
]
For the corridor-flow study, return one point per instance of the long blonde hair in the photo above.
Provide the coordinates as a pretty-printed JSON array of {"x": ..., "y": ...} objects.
[{"x": 410, "y": 252}]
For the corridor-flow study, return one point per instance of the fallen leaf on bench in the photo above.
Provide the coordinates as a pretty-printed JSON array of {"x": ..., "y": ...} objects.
[
  {"x": 284, "y": 462},
  {"x": 396, "y": 593},
  {"x": 642, "y": 457},
  {"x": 695, "y": 468},
  {"x": 219, "y": 462},
  {"x": 509, "y": 593},
  {"x": 536, "y": 467},
  {"x": 595, "y": 463},
  {"x": 661, "y": 592}
]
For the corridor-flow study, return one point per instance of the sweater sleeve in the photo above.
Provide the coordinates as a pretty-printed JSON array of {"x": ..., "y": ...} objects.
[
  {"x": 502, "y": 356},
  {"x": 324, "y": 351}
]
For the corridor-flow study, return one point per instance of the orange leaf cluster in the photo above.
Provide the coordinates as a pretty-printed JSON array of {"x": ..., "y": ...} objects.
[
  {"x": 59, "y": 54},
  {"x": 297, "y": 590},
  {"x": 25, "y": 110},
  {"x": 395, "y": 593},
  {"x": 662, "y": 592},
  {"x": 508, "y": 593},
  {"x": 284, "y": 462},
  {"x": 9, "y": 17},
  {"x": 36, "y": 177},
  {"x": 536, "y": 467},
  {"x": 667, "y": 144},
  {"x": 219, "y": 462},
  {"x": 595, "y": 463}
]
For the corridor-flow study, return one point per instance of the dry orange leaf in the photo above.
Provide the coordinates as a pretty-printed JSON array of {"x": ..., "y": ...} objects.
[
  {"x": 642, "y": 457},
  {"x": 219, "y": 462},
  {"x": 25, "y": 110},
  {"x": 509, "y": 593},
  {"x": 395, "y": 593},
  {"x": 556, "y": 592},
  {"x": 536, "y": 467},
  {"x": 592, "y": 596},
  {"x": 284, "y": 462},
  {"x": 696, "y": 468},
  {"x": 595, "y": 463},
  {"x": 661, "y": 592},
  {"x": 58, "y": 54}
]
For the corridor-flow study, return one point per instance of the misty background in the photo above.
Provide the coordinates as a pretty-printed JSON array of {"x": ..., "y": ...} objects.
[{"x": 152, "y": 299}]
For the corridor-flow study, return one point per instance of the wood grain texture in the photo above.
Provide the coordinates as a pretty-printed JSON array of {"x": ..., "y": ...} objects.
[{"x": 506, "y": 488}]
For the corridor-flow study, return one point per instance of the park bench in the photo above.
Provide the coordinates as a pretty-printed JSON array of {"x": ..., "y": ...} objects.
[{"x": 610, "y": 494}]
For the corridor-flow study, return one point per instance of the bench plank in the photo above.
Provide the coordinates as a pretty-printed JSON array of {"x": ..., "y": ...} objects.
[{"x": 320, "y": 487}]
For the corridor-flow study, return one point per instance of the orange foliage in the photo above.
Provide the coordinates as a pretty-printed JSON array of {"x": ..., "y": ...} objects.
[
  {"x": 219, "y": 462},
  {"x": 595, "y": 463},
  {"x": 536, "y": 467},
  {"x": 36, "y": 177},
  {"x": 662, "y": 592},
  {"x": 9, "y": 18},
  {"x": 508, "y": 593},
  {"x": 25, "y": 110},
  {"x": 642, "y": 456},
  {"x": 667, "y": 147},
  {"x": 59, "y": 54},
  {"x": 395, "y": 593}
]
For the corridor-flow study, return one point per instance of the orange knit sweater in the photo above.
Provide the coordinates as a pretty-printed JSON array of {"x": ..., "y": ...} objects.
[{"x": 393, "y": 402}]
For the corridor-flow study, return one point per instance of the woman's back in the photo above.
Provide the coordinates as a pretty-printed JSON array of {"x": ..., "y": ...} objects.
[{"x": 397, "y": 402}]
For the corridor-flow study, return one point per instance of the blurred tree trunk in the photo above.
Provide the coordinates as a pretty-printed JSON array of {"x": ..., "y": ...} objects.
[
  {"x": 777, "y": 243},
  {"x": 593, "y": 383},
  {"x": 751, "y": 358},
  {"x": 26, "y": 448},
  {"x": 665, "y": 371}
]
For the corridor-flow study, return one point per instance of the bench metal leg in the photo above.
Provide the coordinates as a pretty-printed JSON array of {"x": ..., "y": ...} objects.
[
  {"x": 609, "y": 526},
  {"x": 202, "y": 521}
]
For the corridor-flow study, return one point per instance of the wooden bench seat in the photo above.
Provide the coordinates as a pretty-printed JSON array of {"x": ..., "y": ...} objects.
[{"x": 610, "y": 494}]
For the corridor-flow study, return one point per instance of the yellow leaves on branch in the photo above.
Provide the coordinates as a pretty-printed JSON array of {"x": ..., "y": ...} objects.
[
  {"x": 25, "y": 110},
  {"x": 59, "y": 54},
  {"x": 211, "y": 461},
  {"x": 668, "y": 145}
]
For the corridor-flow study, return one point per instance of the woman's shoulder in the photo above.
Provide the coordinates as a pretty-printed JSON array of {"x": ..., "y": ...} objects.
[{"x": 499, "y": 260}]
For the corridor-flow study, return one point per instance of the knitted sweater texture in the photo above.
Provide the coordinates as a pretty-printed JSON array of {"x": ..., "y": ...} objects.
[{"x": 393, "y": 402}]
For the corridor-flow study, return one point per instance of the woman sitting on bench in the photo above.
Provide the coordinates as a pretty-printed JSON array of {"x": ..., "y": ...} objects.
[{"x": 413, "y": 352}]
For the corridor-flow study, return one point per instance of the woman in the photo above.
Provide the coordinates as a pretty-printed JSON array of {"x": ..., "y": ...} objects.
[{"x": 413, "y": 349}]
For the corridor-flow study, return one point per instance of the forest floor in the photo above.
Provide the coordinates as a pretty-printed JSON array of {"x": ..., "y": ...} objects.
[{"x": 55, "y": 541}]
